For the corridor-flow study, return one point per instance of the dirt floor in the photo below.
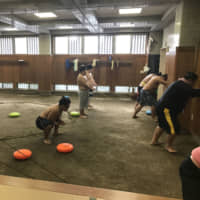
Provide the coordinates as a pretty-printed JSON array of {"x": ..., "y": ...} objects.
[{"x": 112, "y": 150}]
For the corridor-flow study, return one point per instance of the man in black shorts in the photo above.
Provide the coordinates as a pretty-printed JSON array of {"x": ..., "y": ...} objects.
[{"x": 170, "y": 105}]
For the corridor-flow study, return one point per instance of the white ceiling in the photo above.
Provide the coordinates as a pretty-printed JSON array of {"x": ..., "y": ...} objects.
[{"x": 83, "y": 15}]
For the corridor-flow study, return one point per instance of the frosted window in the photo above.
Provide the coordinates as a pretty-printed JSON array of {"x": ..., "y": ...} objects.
[
  {"x": 91, "y": 44},
  {"x": 121, "y": 89},
  {"x": 75, "y": 45},
  {"x": 61, "y": 45},
  {"x": 105, "y": 44},
  {"x": 21, "y": 45},
  {"x": 8, "y": 85},
  {"x": 23, "y": 86},
  {"x": 72, "y": 88},
  {"x": 34, "y": 86},
  {"x": 33, "y": 45},
  {"x": 60, "y": 87},
  {"x": 6, "y": 46},
  {"x": 122, "y": 44},
  {"x": 103, "y": 88},
  {"x": 139, "y": 44}
]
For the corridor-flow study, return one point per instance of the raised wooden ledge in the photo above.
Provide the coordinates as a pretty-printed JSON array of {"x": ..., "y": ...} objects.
[{"x": 98, "y": 193}]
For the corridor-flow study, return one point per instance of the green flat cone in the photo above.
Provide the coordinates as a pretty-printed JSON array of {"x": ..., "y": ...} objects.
[
  {"x": 14, "y": 114},
  {"x": 75, "y": 114}
]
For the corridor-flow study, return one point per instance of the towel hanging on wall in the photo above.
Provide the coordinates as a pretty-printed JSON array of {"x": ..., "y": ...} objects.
[
  {"x": 76, "y": 65},
  {"x": 67, "y": 64}
]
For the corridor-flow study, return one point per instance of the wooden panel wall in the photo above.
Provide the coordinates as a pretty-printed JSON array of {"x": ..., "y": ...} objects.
[
  {"x": 195, "y": 108},
  {"x": 127, "y": 73},
  {"x": 37, "y": 69},
  {"x": 48, "y": 70},
  {"x": 171, "y": 65}
]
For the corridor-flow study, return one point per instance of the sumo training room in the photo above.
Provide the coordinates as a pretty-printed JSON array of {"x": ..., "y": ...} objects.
[{"x": 99, "y": 100}]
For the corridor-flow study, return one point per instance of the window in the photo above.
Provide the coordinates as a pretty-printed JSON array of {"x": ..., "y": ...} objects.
[
  {"x": 34, "y": 86},
  {"x": 75, "y": 45},
  {"x": 91, "y": 44},
  {"x": 73, "y": 88},
  {"x": 60, "y": 87},
  {"x": 27, "y": 45},
  {"x": 103, "y": 89},
  {"x": 1, "y": 85},
  {"x": 6, "y": 46},
  {"x": 23, "y": 86},
  {"x": 33, "y": 45},
  {"x": 20, "y": 45},
  {"x": 122, "y": 44},
  {"x": 123, "y": 89},
  {"x": 61, "y": 45},
  {"x": 139, "y": 44},
  {"x": 105, "y": 44},
  {"x": 7, "y": 85}
]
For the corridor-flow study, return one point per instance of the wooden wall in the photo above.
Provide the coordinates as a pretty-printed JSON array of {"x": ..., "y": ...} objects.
[
  {"x": 195, "y": 104},
  {"x": 36, "y": 69},
  {"x": 49, "y": 70}
]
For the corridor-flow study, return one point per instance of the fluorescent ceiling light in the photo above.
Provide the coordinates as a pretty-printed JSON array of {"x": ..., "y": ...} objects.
[
  {"x": 45, "y": 15},
  {"x": 10, "y": 29},
  {"x": 130, "y": 11},
  {"x": 126, "y": 25},
  {"x": 65, "y": 27}
]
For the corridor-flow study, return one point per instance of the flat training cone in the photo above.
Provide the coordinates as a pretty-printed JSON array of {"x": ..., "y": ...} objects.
[
  {"x": 65, "y": 147},
  {"x": 14, "y": 114},
  {"x": 75, "y": 114},
  {"x": 148, "y": 112},
  {"x": 22, "y": 154}
]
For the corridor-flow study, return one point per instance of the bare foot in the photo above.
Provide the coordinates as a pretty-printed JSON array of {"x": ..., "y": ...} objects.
[
  {"x": 47, "y": 141},
  {"x": 170, "y": 149},
  {"x": 83, "y": 117},
  {"x": 134, "y": 116}
]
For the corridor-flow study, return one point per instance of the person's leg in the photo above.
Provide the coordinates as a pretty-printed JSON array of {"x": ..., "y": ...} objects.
[
  {"x": 171, "y": 119},
  {"x": 138, "y": 108},
  {"x": 156, "y": 135},
  {"x": 83, "y": 103},
  {"x": 47, "y": 131},
  {"x": 170, "y": 141},
  {"x": 90, "y": 94},
  {"x": 56, "y": 127},
  {"x": 153, "y": 112}
]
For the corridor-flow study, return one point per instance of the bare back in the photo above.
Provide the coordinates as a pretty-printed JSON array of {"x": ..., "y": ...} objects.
[
  {"x": 145, "y": 80},
  {"x": 52, "y": 113},
  {"x": 154, "y": 83}
]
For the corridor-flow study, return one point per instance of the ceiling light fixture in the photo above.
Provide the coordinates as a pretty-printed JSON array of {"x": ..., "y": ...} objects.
[
  {"x": 10, "y": 29},
  {"x": 65, "y": 27},
  {"x": 130, "y": 11},
  {"x": 126, "y": 25},
  {"x": 45, "y": 15}
]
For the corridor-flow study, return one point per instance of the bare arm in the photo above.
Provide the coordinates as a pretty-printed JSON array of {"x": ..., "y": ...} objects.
[
  {"x": 160, "y": 80},
  {"x": 82, "y": 81}
]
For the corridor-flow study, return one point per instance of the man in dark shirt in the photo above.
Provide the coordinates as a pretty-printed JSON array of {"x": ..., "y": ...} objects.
[{"x": 170, "y": 105}]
